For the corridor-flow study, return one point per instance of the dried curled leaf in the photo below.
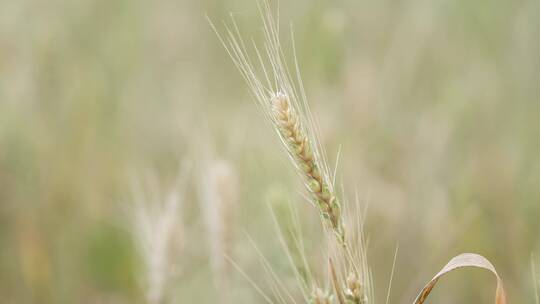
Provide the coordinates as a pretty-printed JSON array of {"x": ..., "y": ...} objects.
[{"x": 460, "y": 261}]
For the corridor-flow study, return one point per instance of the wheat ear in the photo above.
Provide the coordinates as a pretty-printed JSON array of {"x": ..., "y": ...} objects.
[
  {"x": 284, "y": 102},
  {"x": 298, "y": 145}
]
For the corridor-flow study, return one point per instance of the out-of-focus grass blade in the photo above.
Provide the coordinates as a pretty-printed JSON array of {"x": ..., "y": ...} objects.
[{"x": 460, "y": 261}]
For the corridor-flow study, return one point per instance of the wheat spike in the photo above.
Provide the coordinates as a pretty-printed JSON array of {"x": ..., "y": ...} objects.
[
  {"x": 298, "y": 145},
  {"x": 284, "y": 103}
]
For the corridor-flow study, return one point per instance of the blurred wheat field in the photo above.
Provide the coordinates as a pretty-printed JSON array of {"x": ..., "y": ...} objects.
[{"x": 432, "y": 106}]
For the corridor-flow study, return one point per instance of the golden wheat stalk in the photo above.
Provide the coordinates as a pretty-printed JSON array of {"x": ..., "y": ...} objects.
[{"x": 284, "y": 103}]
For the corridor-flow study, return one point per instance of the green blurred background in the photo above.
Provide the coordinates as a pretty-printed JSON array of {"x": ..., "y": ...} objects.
[{"x": 434, "y": 105}]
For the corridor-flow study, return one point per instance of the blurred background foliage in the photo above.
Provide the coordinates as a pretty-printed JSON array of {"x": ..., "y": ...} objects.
[{"x": 433, "y": 103}]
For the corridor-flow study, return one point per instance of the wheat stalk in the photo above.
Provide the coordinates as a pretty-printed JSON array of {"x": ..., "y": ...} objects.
[{"x": 284, "y": 103}]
